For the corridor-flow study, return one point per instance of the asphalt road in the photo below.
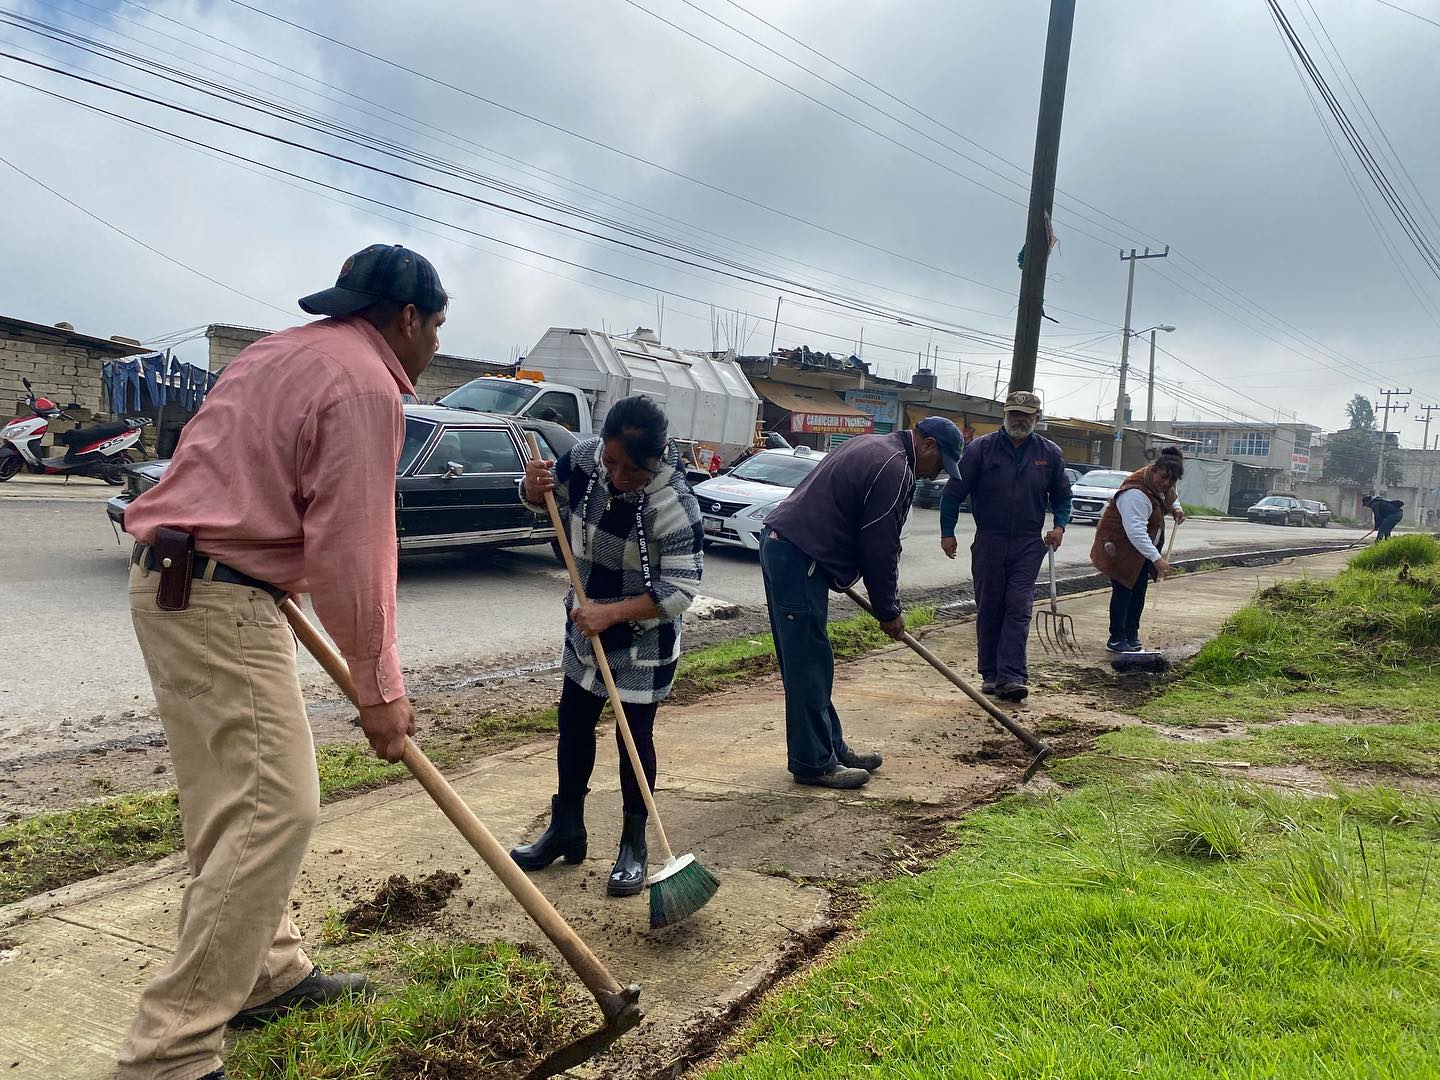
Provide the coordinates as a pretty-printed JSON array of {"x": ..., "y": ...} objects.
[{"x": 73, "y": 674}]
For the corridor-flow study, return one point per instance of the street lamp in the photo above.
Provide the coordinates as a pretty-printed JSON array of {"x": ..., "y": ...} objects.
[{"x": 1150, "y": 396}]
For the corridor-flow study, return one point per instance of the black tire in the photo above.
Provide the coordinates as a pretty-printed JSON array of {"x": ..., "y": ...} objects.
[
  {"x": 9, "y": 466},
  {"x": 113, "y": 471}
]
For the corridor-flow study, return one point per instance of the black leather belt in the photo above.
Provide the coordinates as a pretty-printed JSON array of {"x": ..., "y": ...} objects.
[{"x": 228, "y": 575}]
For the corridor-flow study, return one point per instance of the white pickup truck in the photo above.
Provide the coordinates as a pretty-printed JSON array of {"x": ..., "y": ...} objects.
[{"x": 572, "y": 377}]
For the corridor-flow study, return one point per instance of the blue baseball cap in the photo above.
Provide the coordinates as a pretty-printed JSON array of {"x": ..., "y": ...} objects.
[
  {"x": 380, "y": 272},
  {"x": 951, "y": 442}
]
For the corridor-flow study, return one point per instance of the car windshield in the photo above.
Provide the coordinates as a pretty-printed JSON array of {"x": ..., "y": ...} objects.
[
  {"x": 1111, "y": 480},
  {"x": 1310, "y": 505},
  {"x": 491, "y": 395},
  {"x": 1271, "y": 501},
  {"x": 782, "y": 470}
]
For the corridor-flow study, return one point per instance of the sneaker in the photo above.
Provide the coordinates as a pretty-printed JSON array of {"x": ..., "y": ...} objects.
[
  {"x": 1012, "y": 691},
  {"x": 854, "y": 760},
  {"x": 840, "y": 778},
  {"x": 1117, "y": 645},
  {"x": 310, "y": 992},
  {"x": 1133, "y": 645}
]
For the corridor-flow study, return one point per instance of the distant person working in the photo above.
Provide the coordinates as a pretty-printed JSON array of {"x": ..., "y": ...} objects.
[{"x": 1388, "y": 513}]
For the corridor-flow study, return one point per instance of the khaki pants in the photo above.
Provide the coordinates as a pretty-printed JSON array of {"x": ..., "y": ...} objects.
[{"x": 226, "y": 686}]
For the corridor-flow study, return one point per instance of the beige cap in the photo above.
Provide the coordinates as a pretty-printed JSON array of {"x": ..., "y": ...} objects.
[{"x": 1022, "y": 401}]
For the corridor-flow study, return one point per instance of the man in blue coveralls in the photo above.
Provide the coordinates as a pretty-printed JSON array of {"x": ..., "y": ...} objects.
[{"x": 1010, "y": 475}]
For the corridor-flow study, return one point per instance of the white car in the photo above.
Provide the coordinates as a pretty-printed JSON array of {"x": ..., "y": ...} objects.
[
  {"x": 734, "y": 505},
  {"x": 1093, "y": 492}
]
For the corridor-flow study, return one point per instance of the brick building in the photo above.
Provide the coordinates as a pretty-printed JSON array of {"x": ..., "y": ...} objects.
[{"x": 62, "y": 364}]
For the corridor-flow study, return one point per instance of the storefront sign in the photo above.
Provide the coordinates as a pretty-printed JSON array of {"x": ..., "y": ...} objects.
[
  {"x": 1300, "y": 463},
  {"x": 882, "y": 406},
  {"x": 829, "y": 423}
]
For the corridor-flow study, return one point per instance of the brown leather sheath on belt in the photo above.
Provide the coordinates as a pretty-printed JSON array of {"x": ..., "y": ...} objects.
[{"x": 174, "y": 554}]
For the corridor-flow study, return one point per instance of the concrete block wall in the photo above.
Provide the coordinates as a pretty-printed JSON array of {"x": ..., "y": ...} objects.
[{"x": 63, "y": 373}]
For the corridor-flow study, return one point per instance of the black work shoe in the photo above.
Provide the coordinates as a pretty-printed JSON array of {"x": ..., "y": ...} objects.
[
  {"x": 1012, "y": 691},
  {"x": 852, "y": 759},
  {"x": 310, "y": 992},
  {"x": 840, "y": 777},
  {"x": 627, "y": 877},
  {"x": 218, "y": 1074},
  {"x": 563, "y": 838},
  {"x": 987, "y": 687}
]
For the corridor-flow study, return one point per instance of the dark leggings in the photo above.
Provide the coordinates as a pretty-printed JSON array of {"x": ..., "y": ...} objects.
[
  {"x": 1127, "y": 604},
  {"x": 575, "y": 758}
]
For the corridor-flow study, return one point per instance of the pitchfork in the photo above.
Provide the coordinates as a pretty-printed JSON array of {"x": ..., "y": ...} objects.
[{"x": 1055, "y": 630}]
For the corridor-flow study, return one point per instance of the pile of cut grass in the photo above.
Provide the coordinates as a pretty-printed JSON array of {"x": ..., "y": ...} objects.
[{"x": 1368, "y": 639}]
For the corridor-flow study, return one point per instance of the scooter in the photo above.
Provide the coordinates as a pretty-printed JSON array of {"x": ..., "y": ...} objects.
[{"x": 99, "y": 450}]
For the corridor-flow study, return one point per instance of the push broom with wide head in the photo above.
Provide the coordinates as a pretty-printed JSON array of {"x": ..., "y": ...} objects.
[
  {"x": 619, "y": 1004},
  {"x": 681, "y": 886}
]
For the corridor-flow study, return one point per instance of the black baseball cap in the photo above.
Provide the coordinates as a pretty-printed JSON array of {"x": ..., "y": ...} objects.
[
  {"x": 952, "y": 443},
  {"x": 380, "y": 272}
]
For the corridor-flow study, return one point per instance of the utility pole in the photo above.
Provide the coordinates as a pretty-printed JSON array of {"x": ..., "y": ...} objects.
[
  {"x": 1387, "y": 409},
  {"x": 1038, "y": 233},
  {"x": 1425, "y": 457},
  {"x": 1132, "y": 259},
  {"x": 776, "y": 332}
]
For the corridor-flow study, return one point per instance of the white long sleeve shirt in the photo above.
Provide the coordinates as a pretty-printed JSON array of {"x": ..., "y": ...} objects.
[{"x": 1134, "y": 509}]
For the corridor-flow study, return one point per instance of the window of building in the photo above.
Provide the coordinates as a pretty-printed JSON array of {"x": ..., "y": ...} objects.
[
  {"x": 1205, "y": 442},
  {"x": 1251, "y": 444}
]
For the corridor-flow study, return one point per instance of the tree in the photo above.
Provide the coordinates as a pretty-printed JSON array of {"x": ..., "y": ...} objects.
[
  {"x": 1362, "y": 415},
  {"x": 1351, "y": 457}
]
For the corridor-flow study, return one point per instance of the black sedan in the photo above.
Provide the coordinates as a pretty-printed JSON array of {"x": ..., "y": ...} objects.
[
  {"x": 1277, "y": 510},
  {"x": 456, "y": 483}
]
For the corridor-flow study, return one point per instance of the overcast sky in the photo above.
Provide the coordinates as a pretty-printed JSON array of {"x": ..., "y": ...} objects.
[{"x": 1185, "y": 120}]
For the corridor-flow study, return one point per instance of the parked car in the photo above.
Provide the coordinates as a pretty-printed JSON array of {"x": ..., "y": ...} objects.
[
  {"x": 1092, "y": 492},
  {"x": 734, "y": 505},
  {"x": 928, "y": 492},
  {"x": 456, "y": 483},
  {"x": 1316, "y": 513},
  {"x": 1277, "y": 510}
]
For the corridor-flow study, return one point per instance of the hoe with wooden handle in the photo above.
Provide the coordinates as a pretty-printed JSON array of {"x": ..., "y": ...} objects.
[{"x": 619, "y": 1004}]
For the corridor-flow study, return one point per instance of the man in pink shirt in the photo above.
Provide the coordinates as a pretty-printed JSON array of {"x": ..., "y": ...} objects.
[{"x": 284, "y": 482}]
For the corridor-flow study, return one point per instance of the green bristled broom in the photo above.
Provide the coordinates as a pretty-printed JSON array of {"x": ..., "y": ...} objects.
[{"x": 682, "y": 886}]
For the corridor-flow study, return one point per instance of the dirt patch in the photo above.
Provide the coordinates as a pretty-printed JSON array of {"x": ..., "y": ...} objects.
[
  {"x": 689, "y": 690},
  {"x": 1202, "y": 733},
  {"x": 495, "y": 1048},
  {"x": 401, "y": 902}
]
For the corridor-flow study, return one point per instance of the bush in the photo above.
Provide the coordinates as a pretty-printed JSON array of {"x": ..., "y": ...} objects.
[{"x": 1413, "y": 549}]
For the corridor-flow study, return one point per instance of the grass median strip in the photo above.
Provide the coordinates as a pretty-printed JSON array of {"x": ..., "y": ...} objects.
[
  {"x": 51, "y": 850},
  {"x": 1165, "y": 928}
]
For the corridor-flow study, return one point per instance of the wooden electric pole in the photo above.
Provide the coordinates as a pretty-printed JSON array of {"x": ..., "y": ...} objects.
[
  {"x": 1042, "y": 195},
  {"x": 1387, "y": 409}
]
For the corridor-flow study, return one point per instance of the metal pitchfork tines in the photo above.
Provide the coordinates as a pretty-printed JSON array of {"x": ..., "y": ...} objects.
[{"x": 1054, "y": 629}]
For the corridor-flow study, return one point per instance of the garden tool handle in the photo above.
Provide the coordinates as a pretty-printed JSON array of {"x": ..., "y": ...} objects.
[
  {"x": 1170, "y": 544},
  {"x": 617, "y": 706},
  {"x": 1054, "y": 605},
  {"x": 1024, "y": 735},
  {"x": 586, "y": 964}
]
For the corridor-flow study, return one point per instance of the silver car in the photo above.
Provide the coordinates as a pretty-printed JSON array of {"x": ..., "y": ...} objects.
[{"x": 1093, "y": 492}]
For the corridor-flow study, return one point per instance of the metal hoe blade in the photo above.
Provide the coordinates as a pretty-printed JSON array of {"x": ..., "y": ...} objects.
[{"x": 622, "y": 1012}]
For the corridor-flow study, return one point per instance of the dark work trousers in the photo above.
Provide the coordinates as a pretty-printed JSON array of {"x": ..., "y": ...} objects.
[
  {"x": 1384, "y": 526},
  {"x": 575, "y": 757},
  {"x": 1004, "y": 569},
  {"x": 1127, "y": 605},
  {"x": 798, "y": 595}
]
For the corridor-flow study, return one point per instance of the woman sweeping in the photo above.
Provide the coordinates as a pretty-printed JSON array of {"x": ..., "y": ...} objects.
[
  {"x": 1127, "y": 540},
  {"x": 636, "y": 532}
]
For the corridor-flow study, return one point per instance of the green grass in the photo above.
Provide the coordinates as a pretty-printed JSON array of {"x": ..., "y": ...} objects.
[
  {"x": 1368, "y": 639},
  {"x": 716, "y": 666},
  {"x": 448, "y": 1010},
  {"x": 1197, "y": 510},
  {"x": 1104, "y": 933}
]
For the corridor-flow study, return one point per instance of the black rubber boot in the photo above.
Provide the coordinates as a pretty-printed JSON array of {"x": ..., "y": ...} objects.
[
  {"x": 565, "y": 837},
  {"x": 628, "y": 876}
]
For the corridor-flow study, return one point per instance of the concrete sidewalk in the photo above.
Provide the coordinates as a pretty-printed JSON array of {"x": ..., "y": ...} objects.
[
  {"x": 68, "y": 489},
  {"x": 72, "y": 963}
]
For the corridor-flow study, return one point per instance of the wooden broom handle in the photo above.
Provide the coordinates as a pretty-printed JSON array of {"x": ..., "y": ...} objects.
[
  {"x": 603, "y": 663},
  {"x": 577, "y": 954}
]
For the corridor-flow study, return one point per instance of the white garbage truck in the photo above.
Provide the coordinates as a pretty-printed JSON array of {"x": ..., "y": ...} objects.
[{"x": 572, "y": 377}]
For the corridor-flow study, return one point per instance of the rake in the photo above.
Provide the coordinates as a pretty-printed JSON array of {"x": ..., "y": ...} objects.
[{"x": 1053, "y": 628}]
